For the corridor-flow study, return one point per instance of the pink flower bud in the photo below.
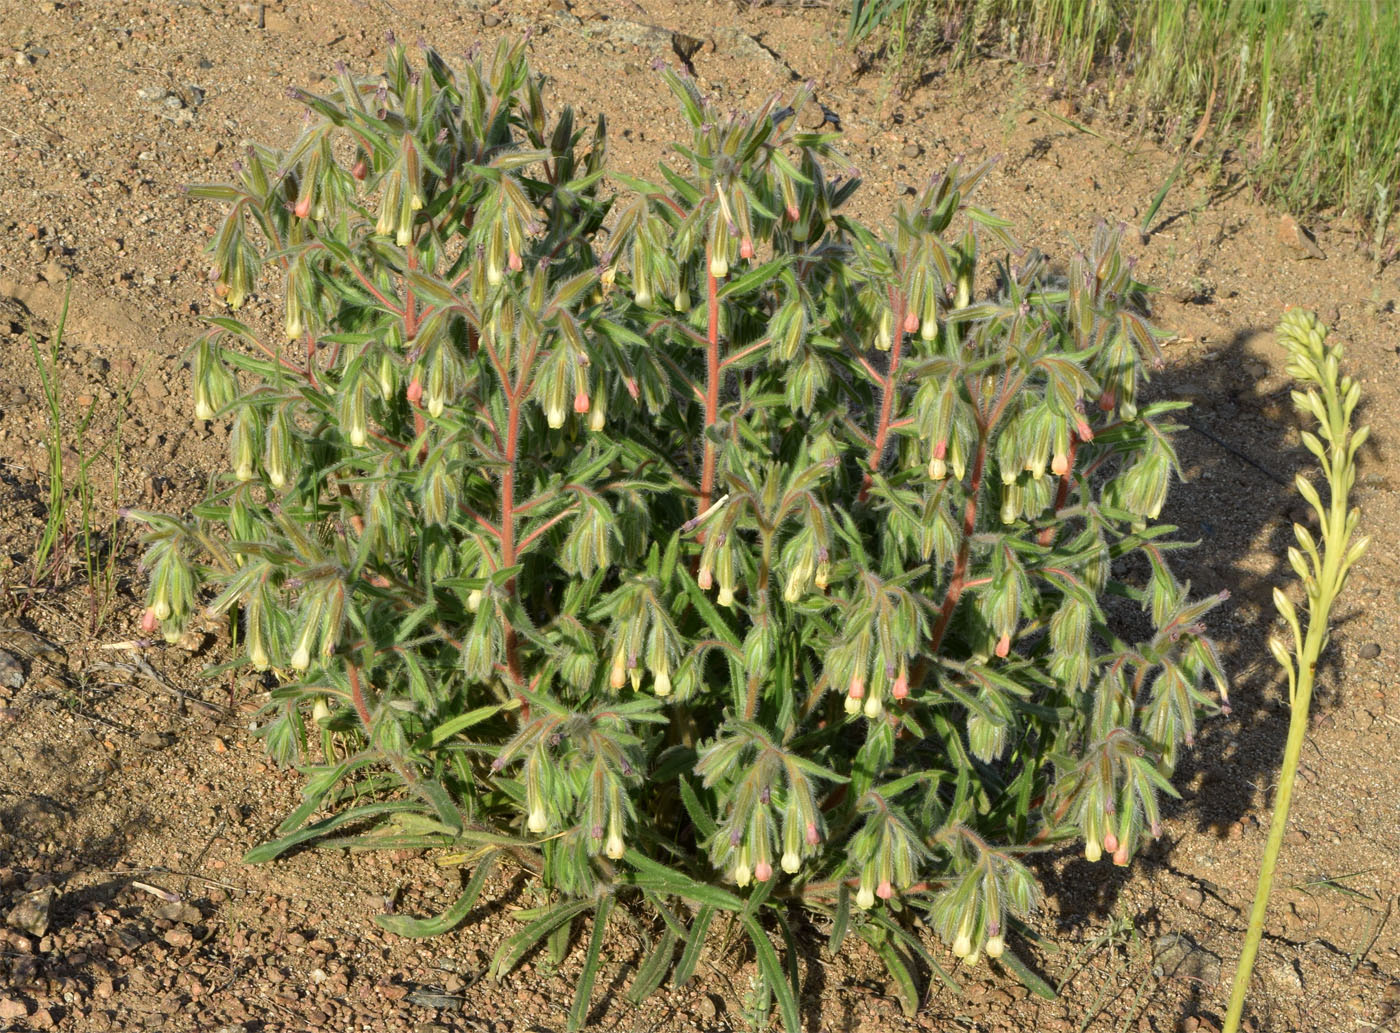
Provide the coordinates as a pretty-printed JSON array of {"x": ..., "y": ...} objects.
[
  {"x": 1003, "y": 646},
  {"x": 1108, "y": 400},
  {"x": 360, "y": 169},
  {"x": 813, "y": 836},
  {"x": 303, "y": 208},
  {"x": 940, "y": 449},
  {"x": 792, "y": 213},
  {"x": 857, "y": 689},
  {"x": 900, "y": 689},
  {"x": 1110, "y": 842},
  {"x": 1059, "y": 465},
  {"x": 581, "y": 402},
  {"x": 746, "y": 248},
  {"x": 415, "y": 391},
  {"x": 911, "y": 323},
  {"x": 705, "y": 579},
  {"x": 1085, "y": 432},
  {"x": 1120, "y": 856},
  {"x": 513, "y": 260},
  {"x": 149, "y": 621},
  {"x": 884, "y": 891},
  {"x": 763, "y": 871}
]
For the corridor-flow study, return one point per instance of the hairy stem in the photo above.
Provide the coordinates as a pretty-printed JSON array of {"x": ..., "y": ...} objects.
[
  {"x": 357, "y": 696},
  {"x": 1047, "y": 536},
  {"x": 508, "y": 549},
  {"x": 888, "y": 389},
  {"x": 712, "y": 379},
  {"x": 957, "y": 582}
]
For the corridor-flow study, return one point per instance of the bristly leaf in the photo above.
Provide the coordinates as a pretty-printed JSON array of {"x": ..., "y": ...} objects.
[
  {"x": 583, "y": 994},
  {"x": 1029, "y": 979},
  {"x": 694, "y": 944},
  {"x": 514, "y": 947},
  {"x": 420, "y": 928},
  {"x": 897, "y": 967},
  {"x": 653, "y": 971},
  {"x": 786, "y": 992}
]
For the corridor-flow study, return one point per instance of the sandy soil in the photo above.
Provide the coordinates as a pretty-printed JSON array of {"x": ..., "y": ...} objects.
[{"x": 131, "y": 786}]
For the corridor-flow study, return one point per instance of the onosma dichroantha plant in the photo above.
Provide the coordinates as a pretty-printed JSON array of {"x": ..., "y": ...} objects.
[{"x": 683, "y": 543}]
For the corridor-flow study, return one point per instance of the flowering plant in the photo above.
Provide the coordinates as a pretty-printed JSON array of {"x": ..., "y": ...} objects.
[{"x": 699, "y": 545}]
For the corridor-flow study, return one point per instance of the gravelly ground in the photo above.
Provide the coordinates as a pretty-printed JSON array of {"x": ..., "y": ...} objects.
[{"x": 130, "y": 786}]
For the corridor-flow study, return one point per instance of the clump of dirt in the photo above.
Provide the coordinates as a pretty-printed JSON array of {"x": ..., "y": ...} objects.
[{"x": 130, "y": 785}]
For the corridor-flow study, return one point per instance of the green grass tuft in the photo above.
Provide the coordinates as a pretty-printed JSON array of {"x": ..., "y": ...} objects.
[{"x": 1308, "y": 91}]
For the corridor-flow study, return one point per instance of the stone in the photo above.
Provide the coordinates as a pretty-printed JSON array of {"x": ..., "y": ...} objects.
[
  {"x": 1294, "y": 235},
  {"x": 180, "y": 912},
  {"x": 440, "y": 1002},
  {"x": 1191, "y": 898},
  {"x": 812, "y": 116},
  {"x": 1370, "y": 651},
  {"x": 11, "y": 673},
  {"x": 31, "y": 914},
  {"x": 11, "y": 1009},
  {"x": 1175, "y": 956}
]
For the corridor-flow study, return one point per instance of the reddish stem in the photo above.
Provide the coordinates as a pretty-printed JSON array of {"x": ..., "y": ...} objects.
[
  {"x": 410, "y": 330},
  {"x": 1062, "y": 492},
  {"x": 508, "y": 548},
  {"x": 712, "y": 378},
  {"x": 357, "y": 696},
  {"x": 369, "y": 286},
  {"x": 957, "y": 583},
  {"x": 525, "y": 542},
  {"x": 745, "y": 352},
  {"x": 882, "y": 429},
  {"x": 490, "y": 528}
]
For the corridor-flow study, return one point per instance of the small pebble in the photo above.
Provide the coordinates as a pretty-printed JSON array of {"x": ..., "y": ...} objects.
[
  {"x": 11, "y": 673},
  {"x": 1191, "y": 898},
  {"x": 1370, "y": 651}
]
